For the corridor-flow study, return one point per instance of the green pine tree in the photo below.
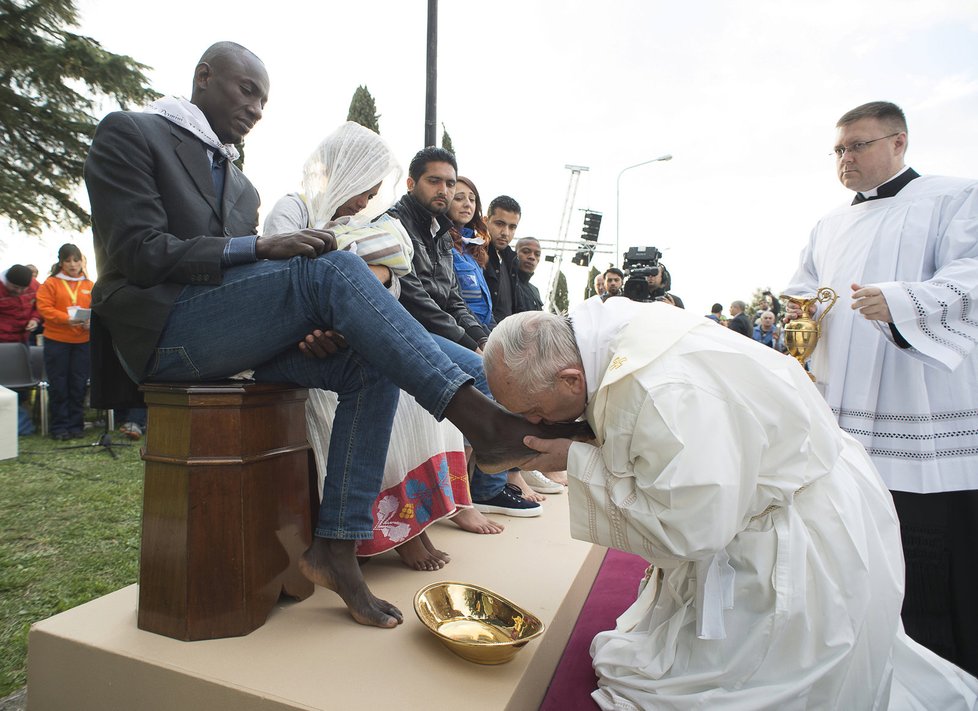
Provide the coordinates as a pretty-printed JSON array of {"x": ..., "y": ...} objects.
[
  {"x": 46, "y": 123},
  {"x": 446, "y": 142},
  {"x": 363, "y": 109},
  {"x": 560, "y": 303}
]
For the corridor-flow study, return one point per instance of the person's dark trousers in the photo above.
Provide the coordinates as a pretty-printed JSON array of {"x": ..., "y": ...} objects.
[
  {"x": 67, "y": 366},
  {"x": 940, "y": 532}
]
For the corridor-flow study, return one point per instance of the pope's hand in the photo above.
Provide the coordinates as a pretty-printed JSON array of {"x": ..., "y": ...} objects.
[
  {"x": 871, "y": 303},
  {"x": 553, "y": 454}
]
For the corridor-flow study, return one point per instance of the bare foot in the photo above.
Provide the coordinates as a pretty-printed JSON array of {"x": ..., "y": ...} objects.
[
  {"x": 515, "y": 477},
  {"x": 416, "y": 555},
  {"x": 332, "y": 564},
  {"x": 475, "y": 521},
  {"x": 559, "y": 477},
  {"x": 441, "y": 555},
  {"x": 497, "y": 435}
]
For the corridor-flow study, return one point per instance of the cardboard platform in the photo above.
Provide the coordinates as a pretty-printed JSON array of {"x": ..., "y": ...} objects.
[{"x": 311, "y": 655}]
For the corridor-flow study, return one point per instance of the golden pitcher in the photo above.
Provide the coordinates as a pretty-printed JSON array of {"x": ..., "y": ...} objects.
[{"x": 801, "y": 335}]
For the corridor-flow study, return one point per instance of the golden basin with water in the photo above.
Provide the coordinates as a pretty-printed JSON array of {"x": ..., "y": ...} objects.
[{"x": 475, "y": 623}]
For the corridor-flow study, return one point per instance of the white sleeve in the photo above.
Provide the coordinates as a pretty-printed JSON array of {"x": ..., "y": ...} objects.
[
  {"x": 805, "y": 280},
  {"x": 289, "y": 214},
  {"x": 938, "y": 317},
  {"x": 672, "y": 483}
]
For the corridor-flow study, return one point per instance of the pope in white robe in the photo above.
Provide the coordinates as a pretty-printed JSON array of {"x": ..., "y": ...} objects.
[{"x": 777, "y": 575}]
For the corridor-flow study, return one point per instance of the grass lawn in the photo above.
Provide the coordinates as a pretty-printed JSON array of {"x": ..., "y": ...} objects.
[{"x": 69, "y": 532}]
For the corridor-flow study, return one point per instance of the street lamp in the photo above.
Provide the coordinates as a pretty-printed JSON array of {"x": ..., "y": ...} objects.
[{"x": 667, "y": 156}]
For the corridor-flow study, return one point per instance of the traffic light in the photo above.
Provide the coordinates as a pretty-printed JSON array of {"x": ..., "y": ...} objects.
[
  {"x": 592, "y": 225},
  {"x": 589, "y": 238}
]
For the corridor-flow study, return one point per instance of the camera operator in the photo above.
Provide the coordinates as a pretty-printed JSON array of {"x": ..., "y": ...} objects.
[
  {"x": 659, "y": 286},
  {"x": 648, "y": 280}
]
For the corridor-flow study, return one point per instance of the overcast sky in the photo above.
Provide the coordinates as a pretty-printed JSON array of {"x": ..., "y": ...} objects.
[{"x": 744, "y": 94}]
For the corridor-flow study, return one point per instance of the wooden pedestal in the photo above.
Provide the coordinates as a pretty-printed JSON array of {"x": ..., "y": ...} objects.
[{"x": 227, "y": 507}]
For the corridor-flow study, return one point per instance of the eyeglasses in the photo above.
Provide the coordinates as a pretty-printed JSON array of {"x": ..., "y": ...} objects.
[{"x": 859, "y": 146}]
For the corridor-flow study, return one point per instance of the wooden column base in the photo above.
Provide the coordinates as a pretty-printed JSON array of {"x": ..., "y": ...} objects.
[{"x": 227, "y": 506}]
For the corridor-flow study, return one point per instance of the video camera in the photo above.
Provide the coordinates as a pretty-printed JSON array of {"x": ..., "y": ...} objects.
[{"x": 640, "y": 263}]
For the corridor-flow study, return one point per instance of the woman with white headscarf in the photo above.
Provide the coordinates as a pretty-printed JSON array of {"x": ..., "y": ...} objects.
[{"x": 425, "y": 477}]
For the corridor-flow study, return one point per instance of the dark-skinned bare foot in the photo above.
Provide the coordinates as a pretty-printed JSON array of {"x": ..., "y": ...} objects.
[
  {"x": 497, "y": 435},
  {"x": 332, "y": 564},
  {"x": 416, "y": 555},
  {"x": 440, "y": 555},
  {"x": 475, "y": 521}
]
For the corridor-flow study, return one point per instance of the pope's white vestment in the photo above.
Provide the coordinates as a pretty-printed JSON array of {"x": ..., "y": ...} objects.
[
  {"x": 778, "y": 574},
  {"x": 914, "y": 409}
]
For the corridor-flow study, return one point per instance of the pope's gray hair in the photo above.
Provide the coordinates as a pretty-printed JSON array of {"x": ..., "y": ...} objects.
[{"x": 534, "y": 346}]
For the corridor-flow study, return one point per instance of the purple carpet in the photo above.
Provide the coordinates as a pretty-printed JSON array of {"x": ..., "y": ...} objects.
[{"x": 614, "y": 589}]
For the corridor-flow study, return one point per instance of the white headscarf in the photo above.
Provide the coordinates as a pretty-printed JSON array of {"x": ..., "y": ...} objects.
[{"x": 349, "y": 161}]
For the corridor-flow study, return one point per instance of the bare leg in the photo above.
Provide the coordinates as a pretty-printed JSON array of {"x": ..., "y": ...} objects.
[
  {"x": 475, "y": 522},
  {"x": 332, "y": 564},
  {"x": 515, "y": 477}
]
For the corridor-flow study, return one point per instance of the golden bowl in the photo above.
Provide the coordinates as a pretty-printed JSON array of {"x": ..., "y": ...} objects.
[{"x": 475, "y": 623}]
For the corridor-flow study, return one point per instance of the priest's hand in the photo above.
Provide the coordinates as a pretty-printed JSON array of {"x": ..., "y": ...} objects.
[
  {"x": 792, "y": 310},
  {"x": 871, "y": 303},
  {"x": 322, "y": 344},
  {"x": 553, "y": 454}
]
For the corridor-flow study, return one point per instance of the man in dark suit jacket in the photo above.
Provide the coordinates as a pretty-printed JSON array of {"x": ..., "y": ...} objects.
[
  {"x": 740, "y": 323},
  {"x": 187, "y": 291}
]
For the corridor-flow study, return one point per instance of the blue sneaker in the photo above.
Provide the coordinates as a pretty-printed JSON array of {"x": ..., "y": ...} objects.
[{"x": 509, "y": 502}]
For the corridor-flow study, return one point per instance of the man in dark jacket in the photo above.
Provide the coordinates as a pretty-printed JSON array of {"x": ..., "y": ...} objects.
[
  {"x": 739, "y": 321},
  {"x": 502, "y": 221},
  {"x": 527, "y": 258},
  {"x": 430, "y": 292}
]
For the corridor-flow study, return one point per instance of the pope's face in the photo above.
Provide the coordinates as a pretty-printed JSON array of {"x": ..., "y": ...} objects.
[
  {"x": 876, "y": 162},
  {"x": 564, "y": 402}
]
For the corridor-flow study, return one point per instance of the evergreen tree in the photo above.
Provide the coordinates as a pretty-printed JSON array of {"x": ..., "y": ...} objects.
[
  {"x": 46, "y": 124},
  {"x": 363, "y": 110},
  {"x": 560, "y": 303},
  {"x": 446, "y": 141},
  {"x": 589, "y": 290}
]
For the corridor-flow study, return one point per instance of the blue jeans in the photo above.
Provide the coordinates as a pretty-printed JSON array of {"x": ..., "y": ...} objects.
[
  {"x": 256, "y": 317},
  {"x": 135, "y": 415},
  {"x": 483, "y": 486},
  {"x": 67, "y": 367}
]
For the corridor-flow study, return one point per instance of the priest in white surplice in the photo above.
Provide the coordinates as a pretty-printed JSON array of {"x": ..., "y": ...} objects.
[
  {"x": 778, "y": 576},
  {"x": 897, "y": 361}
]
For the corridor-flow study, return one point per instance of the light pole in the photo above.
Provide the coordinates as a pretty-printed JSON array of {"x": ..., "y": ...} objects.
[{"x": 667, "y": 156}]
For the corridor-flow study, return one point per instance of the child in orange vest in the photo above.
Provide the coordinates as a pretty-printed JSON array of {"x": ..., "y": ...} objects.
[{"x": 66, "y": 356}]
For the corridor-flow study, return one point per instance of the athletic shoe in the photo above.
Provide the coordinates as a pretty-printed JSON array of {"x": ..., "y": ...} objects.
[
  {"x": 510, "y": 502},
  {"x": 540, "y": 483},
  {"x": 131, "y": 430}
]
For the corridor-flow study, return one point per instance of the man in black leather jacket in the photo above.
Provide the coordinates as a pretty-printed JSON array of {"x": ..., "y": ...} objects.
[{"x": 500, "y": 272}]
